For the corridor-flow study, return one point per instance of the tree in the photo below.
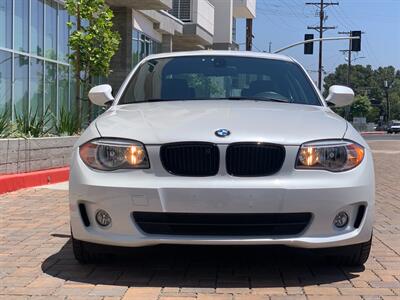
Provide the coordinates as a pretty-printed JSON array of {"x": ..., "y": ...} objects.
[
  {"x": 360, "y": 107},
  {"x": 365, "y": 81},
  {"x": 93, "y": 43}
]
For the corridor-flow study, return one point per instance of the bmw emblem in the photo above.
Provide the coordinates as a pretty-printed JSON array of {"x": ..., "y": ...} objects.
[{"x": 222, "y": 133}]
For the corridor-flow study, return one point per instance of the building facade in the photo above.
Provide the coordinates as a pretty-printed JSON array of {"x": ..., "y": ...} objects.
[{"x": 34, "y": 71}]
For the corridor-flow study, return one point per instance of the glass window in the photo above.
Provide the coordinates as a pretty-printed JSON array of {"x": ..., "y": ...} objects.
[
  {"x": 21, "y": 25},
  {"x": 220, "y": 78},
  {"x": 142, "y": 46},
  {"x": 72, "y": 93},
  {"x": 135, "y": 51},
  {"x": 5, "y": 81},
  {"x": 63, "y": 87},
  {"x": 36, "y": 85},
  {"x": 51, "y": 29},
  {"x": 21, "y": 66},
  {"x": 37, "y": 27},
  {"x": 63, "y": 34},
  {"x": 50, "y": 95},
  {"x": 6, "y": 23}
]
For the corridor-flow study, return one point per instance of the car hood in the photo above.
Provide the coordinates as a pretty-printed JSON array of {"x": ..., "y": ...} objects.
[{"x": 176, "y": 121}]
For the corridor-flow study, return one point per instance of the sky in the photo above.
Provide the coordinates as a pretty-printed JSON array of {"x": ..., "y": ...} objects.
[{"x": 284, "y": 22}]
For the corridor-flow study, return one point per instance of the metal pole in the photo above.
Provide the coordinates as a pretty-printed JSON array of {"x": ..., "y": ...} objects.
[
  {"x": 388, "y": 106},
  {"x": 349, "y": 65},
  {"x": 321, "y": 33},
  {"x": 316, "y": 40},
  {"x": 249, "y": 34}
]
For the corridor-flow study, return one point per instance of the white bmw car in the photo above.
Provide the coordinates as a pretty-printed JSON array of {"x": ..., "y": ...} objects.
[{"x": 221, "y": 148}]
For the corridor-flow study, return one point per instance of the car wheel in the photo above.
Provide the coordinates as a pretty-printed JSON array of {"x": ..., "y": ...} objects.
[
  {"x": 354, "y": 255},
  {"x": 86, "y": 254}
]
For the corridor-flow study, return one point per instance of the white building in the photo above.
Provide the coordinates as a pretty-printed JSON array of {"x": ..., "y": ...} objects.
[{"x": 152, "y": 26}]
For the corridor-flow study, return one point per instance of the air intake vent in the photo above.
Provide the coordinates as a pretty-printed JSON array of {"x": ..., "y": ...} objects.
[
  {"x": 84, "y": 215},
  {"x": 190, "y": 158},
  {"x": 360, "y": 216},
  {"x": 254, "y": 159},
  {"x": 182, "y": 10},
  {"x": 270, "y": 224}
]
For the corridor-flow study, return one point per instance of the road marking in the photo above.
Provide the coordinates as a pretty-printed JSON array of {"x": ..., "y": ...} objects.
[{"x": 385, "y": 152}]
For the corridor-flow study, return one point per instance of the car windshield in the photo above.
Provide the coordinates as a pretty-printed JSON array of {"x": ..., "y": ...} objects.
[{"x": 219, "y": 78}]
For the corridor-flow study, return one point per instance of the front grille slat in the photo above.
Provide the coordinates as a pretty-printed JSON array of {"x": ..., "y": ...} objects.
[
  {"x": 190, "y": 158},
  {"x": 249, "y": 224},
  {"x": 254, "y": 159}
]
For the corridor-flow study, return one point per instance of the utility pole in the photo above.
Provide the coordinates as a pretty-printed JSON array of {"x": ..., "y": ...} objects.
[
  {"x": 349, "y": 57},
  {"x": 249, "y": 34},
  {"x": 321, "y": 29}
]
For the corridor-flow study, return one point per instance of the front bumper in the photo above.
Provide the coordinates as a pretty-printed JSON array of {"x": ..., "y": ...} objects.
[{"x": 321, "y": 193}]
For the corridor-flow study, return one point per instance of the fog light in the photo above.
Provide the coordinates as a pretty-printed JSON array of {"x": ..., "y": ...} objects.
[
  {"x": 341, "y": 219},
  {"x": 103, "y": 218}
]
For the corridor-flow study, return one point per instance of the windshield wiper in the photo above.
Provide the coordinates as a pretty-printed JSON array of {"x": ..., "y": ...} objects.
[
  {"x": 253, "y": 98},
  {"x": 155, "y": 100}
]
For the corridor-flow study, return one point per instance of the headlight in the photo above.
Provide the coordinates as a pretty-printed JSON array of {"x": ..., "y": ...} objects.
[
  {"x": 114, "y": 154},
  {"x": 334, "y": 156}
]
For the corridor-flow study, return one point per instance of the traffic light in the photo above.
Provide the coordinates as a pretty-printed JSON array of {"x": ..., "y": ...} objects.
[
  {"x": 308, "y": 47},
  {"x": 356, "y": 44}
]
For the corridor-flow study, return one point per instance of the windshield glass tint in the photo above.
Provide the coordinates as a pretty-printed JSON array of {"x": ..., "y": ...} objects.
[{"x": 219, "y": 77}]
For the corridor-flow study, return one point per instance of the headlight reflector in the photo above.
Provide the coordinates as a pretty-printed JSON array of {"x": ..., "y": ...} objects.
[
  {"x": 114, "y": 154},
  {"x": 335, "y": 156}
]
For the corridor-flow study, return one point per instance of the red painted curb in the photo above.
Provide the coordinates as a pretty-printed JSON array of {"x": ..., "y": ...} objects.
[{"x": 10, "y": 183}]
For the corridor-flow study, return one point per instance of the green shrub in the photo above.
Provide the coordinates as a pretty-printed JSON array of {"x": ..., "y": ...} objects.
[
  {"x": 67, "y": 123},
  {"x": 33, "y": 124},
  {"x": 5, "y": 124}
]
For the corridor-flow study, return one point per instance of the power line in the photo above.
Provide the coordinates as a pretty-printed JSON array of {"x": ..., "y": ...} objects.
[
  {"x": 321, "y": 29},
  {"x": 350, "y": 23}
]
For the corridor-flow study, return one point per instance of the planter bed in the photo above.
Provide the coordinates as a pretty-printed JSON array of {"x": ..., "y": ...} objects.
[{"x": 18, "y": 155}]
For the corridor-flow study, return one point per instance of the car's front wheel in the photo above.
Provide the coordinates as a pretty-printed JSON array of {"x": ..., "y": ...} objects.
[
  {"x": 353, "y": 255},
  {"x": 85, "y": 253}
]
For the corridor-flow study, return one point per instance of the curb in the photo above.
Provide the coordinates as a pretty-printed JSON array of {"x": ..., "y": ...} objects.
[{"x": 14, "y": 182}]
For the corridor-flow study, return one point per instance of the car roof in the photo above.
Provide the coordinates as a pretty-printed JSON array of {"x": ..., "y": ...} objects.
[{"x": 221, "y": 53}]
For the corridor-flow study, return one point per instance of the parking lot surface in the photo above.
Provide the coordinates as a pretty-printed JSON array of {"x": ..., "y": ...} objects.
[{"x": 36, "y": 260}]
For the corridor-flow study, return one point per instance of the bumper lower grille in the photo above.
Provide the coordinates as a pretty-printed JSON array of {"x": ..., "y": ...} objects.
[
  {"x": 190, "y": 158},
  {"x": 254, "y": 159},
  {"x": 270, "y": 224}
]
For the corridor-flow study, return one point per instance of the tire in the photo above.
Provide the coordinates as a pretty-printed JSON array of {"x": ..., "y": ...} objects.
[
  {"x": 87, "y": 253},
  {"x": 354, "y": 255}
]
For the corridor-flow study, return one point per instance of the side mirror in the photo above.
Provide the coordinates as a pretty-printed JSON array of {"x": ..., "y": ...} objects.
[
  {"x": 340, "y": 95},
  {"x": 101, "y": 95}
]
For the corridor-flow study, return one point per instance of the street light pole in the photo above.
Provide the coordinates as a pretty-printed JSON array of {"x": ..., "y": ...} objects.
[
  {"x": 386, "y": 85},
  {"x": 349, "y": 65}
]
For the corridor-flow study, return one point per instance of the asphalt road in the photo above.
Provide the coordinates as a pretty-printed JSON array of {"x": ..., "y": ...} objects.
[{"x": 382, "y": 137}]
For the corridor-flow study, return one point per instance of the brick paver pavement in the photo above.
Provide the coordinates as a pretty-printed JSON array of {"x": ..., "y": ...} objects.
[{"x": 36, "y": 261}]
